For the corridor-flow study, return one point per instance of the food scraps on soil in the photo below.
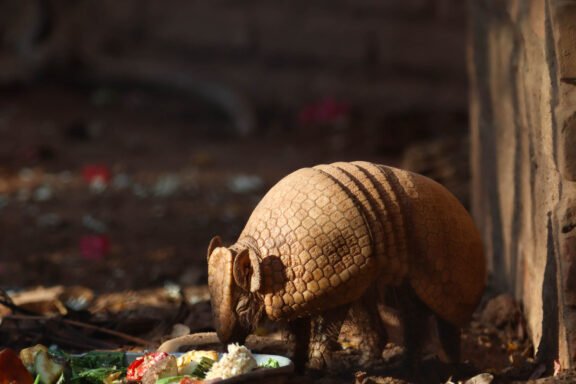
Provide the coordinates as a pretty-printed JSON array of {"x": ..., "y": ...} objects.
[{"x": 42, "y": 365}]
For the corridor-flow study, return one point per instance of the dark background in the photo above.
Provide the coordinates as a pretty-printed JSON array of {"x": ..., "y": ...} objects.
[{"x": 133, "y": 131}]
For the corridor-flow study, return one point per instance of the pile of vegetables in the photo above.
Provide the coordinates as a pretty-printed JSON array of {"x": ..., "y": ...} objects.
[{"x": 42, "y": 365}]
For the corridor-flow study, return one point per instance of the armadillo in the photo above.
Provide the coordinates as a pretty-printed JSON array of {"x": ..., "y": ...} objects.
[{"x": 327, "y": 243}]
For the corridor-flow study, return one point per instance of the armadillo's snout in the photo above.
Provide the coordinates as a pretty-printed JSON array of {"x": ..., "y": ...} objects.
[
  {"x": 232, "y": 333},
  {"x": 221, "y": 287}
]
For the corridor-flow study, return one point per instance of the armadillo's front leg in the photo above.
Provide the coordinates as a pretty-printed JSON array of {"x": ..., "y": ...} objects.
[
  {"x": 325, "y": 329},
  {"x": 298, "y": 333}
]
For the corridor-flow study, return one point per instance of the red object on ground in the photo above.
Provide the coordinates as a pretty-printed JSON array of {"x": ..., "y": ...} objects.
[
  {"x": 94, "y": 247},
  {"x": 12, "y": 371},
  {"x": 138, "y": 368},
  {"x": 96, "y": 172},
  {"x": 325, "y": 111}
]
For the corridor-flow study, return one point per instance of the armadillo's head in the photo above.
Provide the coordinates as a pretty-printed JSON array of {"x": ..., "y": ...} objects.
[{"x": 233, "y": 281}]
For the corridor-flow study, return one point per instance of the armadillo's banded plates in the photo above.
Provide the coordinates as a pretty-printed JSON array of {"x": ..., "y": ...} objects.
[
  {"x": 315, "y": 244},
  {"x": 371, "y": 186},
  {"x": 325, "y": 233}
]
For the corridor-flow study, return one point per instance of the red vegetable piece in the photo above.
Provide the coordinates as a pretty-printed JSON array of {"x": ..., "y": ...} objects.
[
  {"x": 135, "y": 370},
  {"x": 138, "y": 368},
  {"x": 12, "y": 371}
]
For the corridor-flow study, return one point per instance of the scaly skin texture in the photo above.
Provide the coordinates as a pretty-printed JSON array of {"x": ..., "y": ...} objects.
[{"x": 328, "y": 242}]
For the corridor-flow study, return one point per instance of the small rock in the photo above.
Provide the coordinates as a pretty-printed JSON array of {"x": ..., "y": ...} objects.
[
  {"x": 43, "y": 193},
  {"x": 98, "y": 186},
  {"x": 26, "y": 174},
  {"x": 502, "y": 311},
  {"x": 121, "y": 181},
  {"x": 483, "y": 378},
  {"x": 245, "y": 183},
  {"x": 166, "y": 186},
  {"x": 173, "y": 290},
  {"x": 94, "y": 224},
  {"x": 77, "y": 298}
]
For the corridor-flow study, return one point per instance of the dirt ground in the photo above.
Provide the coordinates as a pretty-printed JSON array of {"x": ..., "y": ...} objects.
[{"x": 109, "y": 197}]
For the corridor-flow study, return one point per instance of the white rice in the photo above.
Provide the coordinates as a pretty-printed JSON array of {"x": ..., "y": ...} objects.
[{"x": 237, "y": 361}]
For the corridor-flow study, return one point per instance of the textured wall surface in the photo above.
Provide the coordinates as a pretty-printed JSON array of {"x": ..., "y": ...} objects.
[{"x": 522, "y": 62}]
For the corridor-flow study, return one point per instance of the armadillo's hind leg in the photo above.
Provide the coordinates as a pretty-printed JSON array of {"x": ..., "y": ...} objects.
[
  {"x": 366, "y": 333},
  {"x": 449, "y": 336},
  {"x": 415, "y": 318},
  {"x": 324, "y": 337}
]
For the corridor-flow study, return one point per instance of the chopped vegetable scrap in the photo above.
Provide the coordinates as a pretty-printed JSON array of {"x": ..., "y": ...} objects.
[
  {"x": 270, "y": 363},
  {"x": 42, "y": 365},
  {"x": 12, "y": 370}
]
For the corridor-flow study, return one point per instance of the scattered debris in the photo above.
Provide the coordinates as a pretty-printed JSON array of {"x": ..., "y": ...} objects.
[
  {"x": 94, "y": 247},
  {"x": 245, "y": 183},
  {"x": 26, "y": 174},
  {"x": 121, "y": 182},
  {"x": 483, "y": 378},
  {"x": 166, "y": 186},
  {"x": 173, "y": 290},
  {"x": 94, "y": 224},
  {"x": 43, "y": 193},
  {"x": 97, "y": 176}
]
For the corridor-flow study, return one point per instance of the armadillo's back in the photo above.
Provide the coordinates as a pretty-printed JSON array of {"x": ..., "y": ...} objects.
[{"x": 315, "y": 245}]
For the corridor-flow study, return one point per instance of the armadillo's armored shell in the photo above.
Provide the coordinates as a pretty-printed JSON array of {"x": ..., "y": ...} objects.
[
  {"x": 316, "y": 248},
  {"x": 326, "y": 233}
]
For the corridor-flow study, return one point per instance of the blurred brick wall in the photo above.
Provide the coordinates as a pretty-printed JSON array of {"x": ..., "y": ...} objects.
[{"x": 386, "y": 56}]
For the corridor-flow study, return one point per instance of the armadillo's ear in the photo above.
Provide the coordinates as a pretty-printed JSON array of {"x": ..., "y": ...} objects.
[
  {"x": 247, "y": 270},
  {"x": 214, "y": 243}
]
